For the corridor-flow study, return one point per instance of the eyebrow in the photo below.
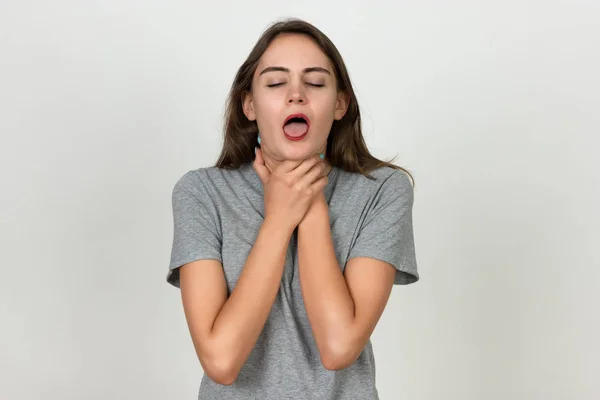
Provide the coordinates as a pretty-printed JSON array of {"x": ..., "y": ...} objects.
[{"x": 305, "y": 70}]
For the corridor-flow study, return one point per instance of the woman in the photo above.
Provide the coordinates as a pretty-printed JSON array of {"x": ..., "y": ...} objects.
[{"x": 286, "y": 251}]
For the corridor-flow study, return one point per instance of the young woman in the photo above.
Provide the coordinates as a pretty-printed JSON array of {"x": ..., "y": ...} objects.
[{"x": 287, "y": 249}]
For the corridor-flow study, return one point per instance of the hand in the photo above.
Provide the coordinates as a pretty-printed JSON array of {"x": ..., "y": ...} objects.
[{"x": 290, "y": 189}]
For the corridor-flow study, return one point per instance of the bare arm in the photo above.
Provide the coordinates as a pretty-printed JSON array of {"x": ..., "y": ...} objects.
[
  {"x": 224, "y": 331},
  {"x": 342, "y": 310}
]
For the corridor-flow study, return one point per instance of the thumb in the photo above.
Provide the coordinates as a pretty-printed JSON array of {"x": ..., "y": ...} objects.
[{"x": 260, "y": 167}]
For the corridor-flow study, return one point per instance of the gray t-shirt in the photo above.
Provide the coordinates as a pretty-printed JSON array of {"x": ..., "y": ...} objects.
[{"x": 217, "y": 215}]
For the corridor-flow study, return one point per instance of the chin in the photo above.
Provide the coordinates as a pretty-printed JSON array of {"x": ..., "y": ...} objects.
[{"x": 297, "y": 153}]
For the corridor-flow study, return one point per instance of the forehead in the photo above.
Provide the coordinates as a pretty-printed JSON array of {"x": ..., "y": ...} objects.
[{"x": 294, "y": 51}]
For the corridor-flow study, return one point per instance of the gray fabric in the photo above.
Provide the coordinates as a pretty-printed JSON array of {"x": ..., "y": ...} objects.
[{"x": 217, "y": 214}]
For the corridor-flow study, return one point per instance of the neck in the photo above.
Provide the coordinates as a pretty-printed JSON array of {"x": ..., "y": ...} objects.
[{"x": 272, "y": 163}]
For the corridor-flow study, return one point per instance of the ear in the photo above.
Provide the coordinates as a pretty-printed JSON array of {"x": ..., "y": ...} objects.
[
  {"x": 248, "y": 106},
  {"x": 341, "y": 105}
]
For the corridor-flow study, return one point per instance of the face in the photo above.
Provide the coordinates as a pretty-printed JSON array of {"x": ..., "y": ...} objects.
[{"x": 294, "y": 78}]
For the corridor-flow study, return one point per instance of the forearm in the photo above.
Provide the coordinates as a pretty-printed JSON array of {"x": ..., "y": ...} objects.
[
  {"x": 243, "y": 316},
  {"x": 328, "y": 301}
]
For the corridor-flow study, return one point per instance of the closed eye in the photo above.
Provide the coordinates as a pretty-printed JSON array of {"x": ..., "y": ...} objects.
[{"x": 272, "y": 85}]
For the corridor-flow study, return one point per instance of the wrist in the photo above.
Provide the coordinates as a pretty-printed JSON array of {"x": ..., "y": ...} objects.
[
  {"x": 319, "y": 203},
  {"x": 318, "y": 210},
  {"x": 275, "y": 226}
]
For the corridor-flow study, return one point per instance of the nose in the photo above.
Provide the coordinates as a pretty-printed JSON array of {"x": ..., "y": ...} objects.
[{"x": 296, "y": 94}]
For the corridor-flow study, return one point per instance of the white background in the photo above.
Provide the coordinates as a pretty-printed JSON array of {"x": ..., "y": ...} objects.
[{"x": 494, "y": 106}]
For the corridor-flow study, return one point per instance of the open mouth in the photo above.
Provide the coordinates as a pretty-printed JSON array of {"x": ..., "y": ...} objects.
[{"x": 296, "y": 126}]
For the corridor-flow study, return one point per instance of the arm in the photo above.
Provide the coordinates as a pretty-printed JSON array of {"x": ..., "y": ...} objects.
[
  {"x": 224, "y": 331},
  {"x": 343, "y": 310}
]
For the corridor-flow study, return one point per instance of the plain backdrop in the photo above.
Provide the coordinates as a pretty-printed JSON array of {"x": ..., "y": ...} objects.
[{"x": 493, "y": 106}]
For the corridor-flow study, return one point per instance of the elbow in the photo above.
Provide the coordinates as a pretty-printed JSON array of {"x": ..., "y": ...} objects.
[
  {"x": 221, "y": 361},
  {"x": 225, "y": 378},
  {"x": 338, "y": 356},
  {"x": 220, "y": 370},
  {"x": 336, "y": 362}
]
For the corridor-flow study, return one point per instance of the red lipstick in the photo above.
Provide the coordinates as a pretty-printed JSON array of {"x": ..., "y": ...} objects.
[
  {"x": 296, "y": 126},
  {"x": 299, "y": 115}
]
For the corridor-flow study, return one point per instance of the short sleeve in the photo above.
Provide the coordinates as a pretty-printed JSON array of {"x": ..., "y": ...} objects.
[
  {"x": 386, "y": 233},
  {"x": 195, "y": 232}
]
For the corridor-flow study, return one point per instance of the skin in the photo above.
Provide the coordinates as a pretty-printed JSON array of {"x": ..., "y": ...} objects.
[
  {"x": 309, "y": 87},
  {"x": 343, "y": 310}
]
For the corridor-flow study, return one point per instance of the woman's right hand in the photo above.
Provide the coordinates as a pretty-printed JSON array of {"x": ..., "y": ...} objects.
[{"x": 290, "y": 188}]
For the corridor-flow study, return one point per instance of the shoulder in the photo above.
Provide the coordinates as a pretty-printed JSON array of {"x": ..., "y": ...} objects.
[
  {"x": 391, "y": 176},
  {"x": 189, "y": 180},
  {"x": 385, "y": 180},
  {"x": 203, "y": 175},
  {"x": 212, "y": 181},
  {"x": 193, "y": 182}
]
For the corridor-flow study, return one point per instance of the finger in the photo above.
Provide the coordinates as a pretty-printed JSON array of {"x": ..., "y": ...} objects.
[
  {"x": 312, "y": 175},
  {"x": 288, "y": 165},
  {"x": 306, "y": 166},
  {"x": 320, "y": 184},
  {"x": 260, "y": 167},
  {"x": 259, "y": 157}
]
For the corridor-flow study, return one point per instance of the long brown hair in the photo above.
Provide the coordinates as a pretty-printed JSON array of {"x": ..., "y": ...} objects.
[{"x": 346, "y": 147}]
